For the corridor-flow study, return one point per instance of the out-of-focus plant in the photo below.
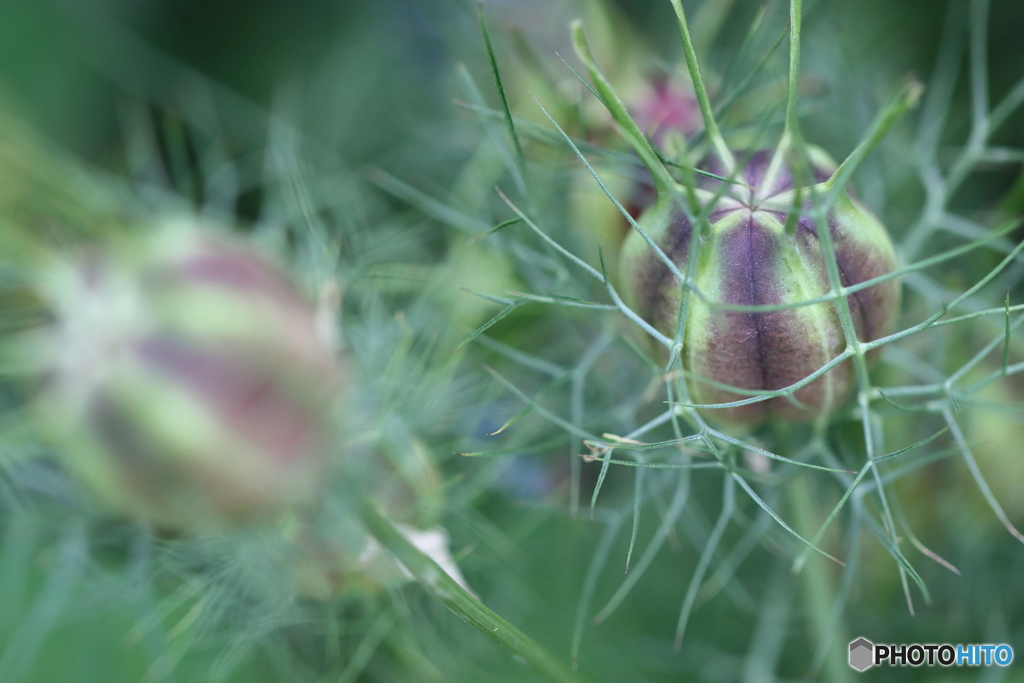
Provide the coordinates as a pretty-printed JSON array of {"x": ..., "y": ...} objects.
[
  {"x": 185, "y": 379},
  {"x": 199, "y": 394}
]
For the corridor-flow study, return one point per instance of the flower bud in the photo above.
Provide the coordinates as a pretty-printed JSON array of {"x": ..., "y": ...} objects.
[
  {"x": 749, "y": 258},
  {"x": 185, "y": 380}
]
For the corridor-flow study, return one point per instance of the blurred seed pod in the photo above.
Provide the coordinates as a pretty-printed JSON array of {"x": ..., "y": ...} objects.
[{"x": 184, "y": 379}]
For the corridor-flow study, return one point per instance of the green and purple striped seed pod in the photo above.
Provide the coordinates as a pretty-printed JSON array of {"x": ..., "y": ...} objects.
[
  {"x": 747, "y": 258},
  {"x": 185, "y": 381}
]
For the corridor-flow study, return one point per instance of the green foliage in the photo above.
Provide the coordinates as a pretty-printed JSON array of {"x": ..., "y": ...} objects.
[{"x": 615, "y": 525}]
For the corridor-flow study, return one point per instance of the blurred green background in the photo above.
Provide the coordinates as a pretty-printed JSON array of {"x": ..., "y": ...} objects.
[{"x": 163, "y": 96}]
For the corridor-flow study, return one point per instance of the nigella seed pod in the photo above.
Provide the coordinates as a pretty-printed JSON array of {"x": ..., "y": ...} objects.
[
  {"x": 748, "y": 328},
  {"x": 185, "y": 380},
  {"x": 749, "y": 258}
]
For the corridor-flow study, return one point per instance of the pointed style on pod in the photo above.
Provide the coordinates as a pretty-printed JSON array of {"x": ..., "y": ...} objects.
[{"x": 185, "y": 381}]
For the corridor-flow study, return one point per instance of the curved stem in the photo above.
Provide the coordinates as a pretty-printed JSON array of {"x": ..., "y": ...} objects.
[
  {"x": 663, "y": 182},
  {"x": 818, "y": 587},
  {"x": 791, "y": 132},
  {"x": 904, "y": 99},
  {"x": 713, "y": 133},
  {"x": 793, "y": 90},
  {"x": 465, "y": 606}
]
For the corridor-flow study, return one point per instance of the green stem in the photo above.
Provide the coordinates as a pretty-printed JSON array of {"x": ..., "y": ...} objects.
[
  {"x": 793, "y": 91},
  {"x": 708, "y": 24},
  {"x": 904, "y": 99},
  {"x": 519, "y": 157},
  {"x": 791, "y": 131},
  {"x": 663, "y": 182},
  {"x": 1006, "y": 340},
  {"x": 465, "y": 606},
  {"x": 818, "y": 588},
  {"x": 713, "y": 133}
]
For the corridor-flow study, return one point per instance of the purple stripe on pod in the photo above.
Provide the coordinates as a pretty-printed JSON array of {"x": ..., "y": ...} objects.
[
  {"x": 246, "y": 396},
  {"x": 860, "y": 262},
  {"x": 655, "y": 283},
  {"x": 728, "y": 350},
  {"x": 762, "y": 350},
  {"x": 872, "y": 309},
  {"x": 757, "y": 167}
]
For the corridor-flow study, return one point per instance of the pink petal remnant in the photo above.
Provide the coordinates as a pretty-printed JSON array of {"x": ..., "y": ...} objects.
[{"x": 667, "y": 106}]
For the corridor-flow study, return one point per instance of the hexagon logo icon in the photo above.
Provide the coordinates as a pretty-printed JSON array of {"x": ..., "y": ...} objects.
[{"x": 862, "y": 653}]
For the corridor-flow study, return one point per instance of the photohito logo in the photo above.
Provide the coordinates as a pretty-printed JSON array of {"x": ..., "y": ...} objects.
[
  {"x": 861, "y": 654},
  {"x": 864, "y": 654}
]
